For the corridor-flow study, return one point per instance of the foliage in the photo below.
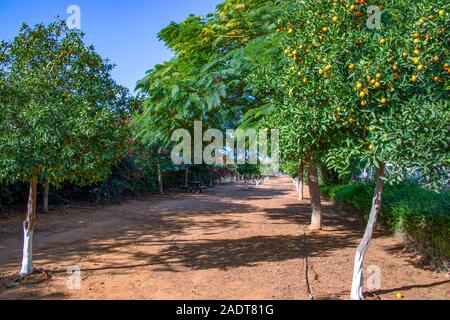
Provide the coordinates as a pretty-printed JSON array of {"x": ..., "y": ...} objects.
[
  {"x": 420, "y": 215},
  {"x": 344, "y": 92},
  {"x": 62, "y": 116},
  {"x": 204, "y": 82}
]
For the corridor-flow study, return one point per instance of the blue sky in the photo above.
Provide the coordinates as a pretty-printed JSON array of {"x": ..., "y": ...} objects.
[{"x": 123, "y": 31}]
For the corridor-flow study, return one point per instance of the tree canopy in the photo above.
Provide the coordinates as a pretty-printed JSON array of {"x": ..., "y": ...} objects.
[{"x": 62, "y": 116}]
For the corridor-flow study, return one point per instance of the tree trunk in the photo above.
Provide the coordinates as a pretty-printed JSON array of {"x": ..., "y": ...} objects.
[
  {"x": 358, "y": 276},
  {"x": 160, "y": 180},
  {"x": 28, "y": 230},
  {"x": 300, "y": 184},
  {"x": 316, "y": 220},
  {"x": 45, "y": 197},
  {"x": 186, "y": 177}
]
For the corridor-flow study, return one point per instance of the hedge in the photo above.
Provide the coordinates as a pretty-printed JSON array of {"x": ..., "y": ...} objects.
[{"x": 420, "y": 215}]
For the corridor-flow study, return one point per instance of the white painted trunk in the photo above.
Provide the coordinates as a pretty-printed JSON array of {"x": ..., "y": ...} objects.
[
  {"x": 28, "y": 231},
  {"x": 357, "y": 292},
  {"x": 301, "y": 182},
  {"x": 27, "y": 255},
  {"x": 358, "y": 278},
  {"x": 300, "y": 190}
]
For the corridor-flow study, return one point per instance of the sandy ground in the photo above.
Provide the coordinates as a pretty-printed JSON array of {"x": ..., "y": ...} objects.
[{"x": 228, "y": 243}]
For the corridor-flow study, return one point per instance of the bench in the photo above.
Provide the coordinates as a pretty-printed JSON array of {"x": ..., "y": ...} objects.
[{"x": 196, "y": 186}]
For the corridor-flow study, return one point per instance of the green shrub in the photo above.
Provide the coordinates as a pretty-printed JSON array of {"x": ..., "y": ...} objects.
[{"x": 420, "y": 215}]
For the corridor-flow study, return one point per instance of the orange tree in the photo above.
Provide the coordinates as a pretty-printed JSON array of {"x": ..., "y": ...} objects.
[{"x": 349, "y": 92}]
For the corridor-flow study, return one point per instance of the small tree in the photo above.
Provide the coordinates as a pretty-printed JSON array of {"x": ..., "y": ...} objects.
[{"x": 61, "y": 114}]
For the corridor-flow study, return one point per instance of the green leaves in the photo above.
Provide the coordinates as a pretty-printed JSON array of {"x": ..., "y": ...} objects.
[{"x": 64, "y": 117}]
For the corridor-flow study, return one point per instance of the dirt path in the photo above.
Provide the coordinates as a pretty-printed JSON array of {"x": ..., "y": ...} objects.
[{"x": 229, "y": 243}]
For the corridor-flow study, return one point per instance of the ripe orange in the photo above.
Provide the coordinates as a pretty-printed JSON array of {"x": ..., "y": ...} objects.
[
  {"x": 414, "y": 78},
  {"x": 351, "y": 66},
  {"x": 420, "y": 67},
  {"x": 362, "y": 94},
  {"x": 383, "y": 100},
  {"x": 382, "y": 41},
  {"x": 395, "y": 67}
]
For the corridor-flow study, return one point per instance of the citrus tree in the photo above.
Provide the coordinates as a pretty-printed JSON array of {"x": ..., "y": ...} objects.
[
  {"x": 61, "y": 114},
  {"x": 376, "y": 95}
]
